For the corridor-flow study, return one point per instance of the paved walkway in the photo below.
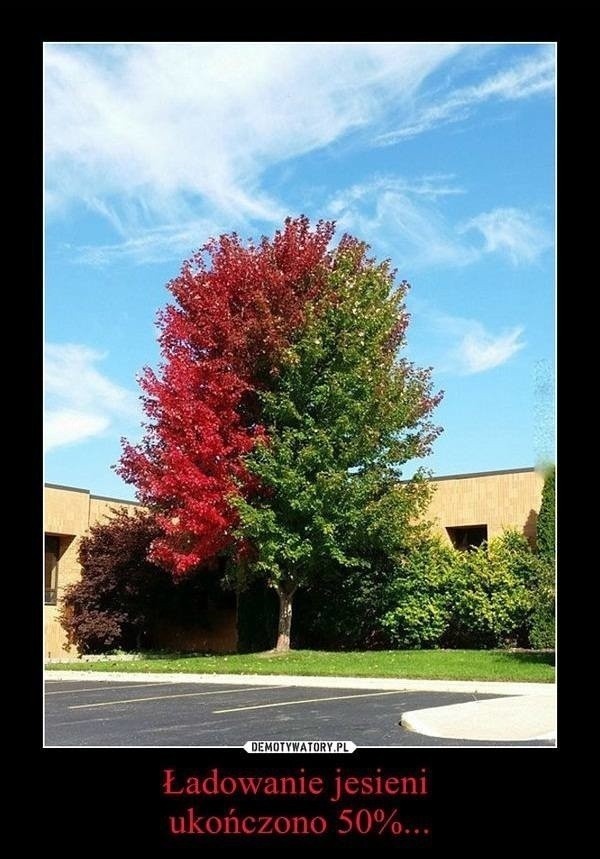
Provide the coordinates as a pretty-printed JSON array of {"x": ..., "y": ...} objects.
[
  {"x": 527, "y": 711},
  {"x": 523, "y": 717}
]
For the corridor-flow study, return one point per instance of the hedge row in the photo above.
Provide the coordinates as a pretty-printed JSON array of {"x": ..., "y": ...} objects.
[{"x": 498, "y": 595}]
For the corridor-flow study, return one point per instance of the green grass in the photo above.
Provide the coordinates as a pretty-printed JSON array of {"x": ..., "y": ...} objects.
[{"x": 505, "y": 665}]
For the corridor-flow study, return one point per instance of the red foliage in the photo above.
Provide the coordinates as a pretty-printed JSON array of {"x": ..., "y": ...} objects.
[{"x": 237, "y": 308}]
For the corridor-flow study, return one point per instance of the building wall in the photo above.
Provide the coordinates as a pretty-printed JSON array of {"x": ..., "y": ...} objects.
[
  {"x": 500, "y": 500},
  {"x": 218, "y": 636},
  {"x": 101, "y": 509},
  {"x": 66, "y": 515}
]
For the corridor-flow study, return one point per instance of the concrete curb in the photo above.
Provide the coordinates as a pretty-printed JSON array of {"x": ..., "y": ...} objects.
[
  {"x": 520, "y": 718},
  {"x": 383, "y": 683}
]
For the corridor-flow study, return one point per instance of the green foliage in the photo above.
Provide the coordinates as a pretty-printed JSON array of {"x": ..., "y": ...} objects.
[
  {"x": 543, "y": 618},
  {"x": 342, "y": 415},
  {"x": 542, "y": 633},
  {"x": 343, "y": 613},
  {"x": 431, "y": 596},
  {"x": 546, "y": 537},
  {"x": 491, "y": 594},
  {"x": 482, "y": 598},
  {"x": 419, "y": 594}
]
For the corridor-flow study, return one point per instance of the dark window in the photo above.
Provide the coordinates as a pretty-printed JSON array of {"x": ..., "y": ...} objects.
[
  {"x": 467, "y": 537},
  {"x": 52, "y": 548}
]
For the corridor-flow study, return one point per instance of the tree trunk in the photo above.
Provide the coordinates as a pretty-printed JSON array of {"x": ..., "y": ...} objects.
[{"x": 285, "y": 619}]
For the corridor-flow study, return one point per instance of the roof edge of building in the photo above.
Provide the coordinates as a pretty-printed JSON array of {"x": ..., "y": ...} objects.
[
  {"x": 68, "y": 488},
  {"x": 91, "y": 494},
  {"x": 118, "y": 500},
  {"x": 435, "y": 479}
]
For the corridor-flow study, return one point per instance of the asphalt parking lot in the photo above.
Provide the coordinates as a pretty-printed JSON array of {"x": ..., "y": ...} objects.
[{"x": 84, "y": 713}]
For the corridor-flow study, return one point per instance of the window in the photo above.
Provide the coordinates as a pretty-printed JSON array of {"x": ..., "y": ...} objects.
[
  {"x": 52, "y": 548},
  {"x": 467, "y": 537}
]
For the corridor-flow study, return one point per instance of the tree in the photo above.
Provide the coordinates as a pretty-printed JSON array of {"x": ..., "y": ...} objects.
[
  {"x": 237, "y": 307},
  {"x": 544, "y": 613},
  {"x": 546, "y": 519},
  {"x": 342, "y": 415},
  {"x": 281, "y": 412},
  {"x": 120, "y": 592}
]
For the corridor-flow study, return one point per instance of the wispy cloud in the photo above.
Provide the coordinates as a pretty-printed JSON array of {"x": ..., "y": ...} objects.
[
  {"x": 534, "y": 75},
  {"x": 151, "y": 135},
  {"x": 404, "y": 217},
  {"x": 152, "y": 245},
  {"x": 80, "y": 401},
  {"x": 407, "y": 219},
  {"x": 477, "y": 349},
  {"x": 512, "y": 232},
  {"x": 170, "y": 143}
]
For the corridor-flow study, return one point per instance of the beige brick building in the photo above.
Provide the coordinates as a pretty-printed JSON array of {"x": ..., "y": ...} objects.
[
  {"x": 465, "y": 509},
  {"x": 470, "y": 508}
]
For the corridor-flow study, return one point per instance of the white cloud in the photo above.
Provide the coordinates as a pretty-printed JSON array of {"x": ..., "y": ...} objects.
[
  {"x": 478, "y": 349},
  {"x": 406, "y": 219},
  {"x": 170, "y": 142},
  {"x": 153, "y": 245},
  {"x": 65, "y": 426},
  {"x": 534, "y": 75},
  {"x": 80, "y": 401},
  {"x": 511, "y": 231},
  {"x": 402, "y": 215},
  {"x": 148, "y": 134}
]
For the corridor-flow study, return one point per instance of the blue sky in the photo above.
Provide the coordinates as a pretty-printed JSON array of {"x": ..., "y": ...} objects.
[{"x": 440, "y": 155}]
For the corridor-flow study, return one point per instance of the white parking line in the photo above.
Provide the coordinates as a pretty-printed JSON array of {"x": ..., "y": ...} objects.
[
  {"x": 81, "y": 722},
  {"x": 309, "y": 701},
  {"x": 166, "y": 697},
  {"x": 100, "y": 688}
]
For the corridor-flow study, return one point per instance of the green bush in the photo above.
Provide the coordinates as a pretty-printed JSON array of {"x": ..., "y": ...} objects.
[
  {"x": 445, "y": 598},
  {"x": 344, "y": 614},
  {"x": 499, "y": 595},
  {"x": 490, "y": 594},
  {"x": 418, "y": 595}
]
